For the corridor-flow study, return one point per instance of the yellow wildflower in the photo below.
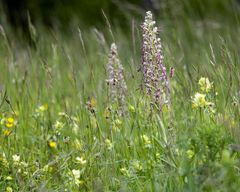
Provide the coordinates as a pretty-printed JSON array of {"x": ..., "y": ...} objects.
[
  {"x": 9, "y": 178},
  {"x": 6, "y": 132},
  {"x": 9, "y": 125},
  {"x": 52, "y": 144},
  {"x": 199, "y": 100},
  {"x": 205, "y": 84},
  {"x": 9, "y": 189},
  {"x": 10, "y": 122}
]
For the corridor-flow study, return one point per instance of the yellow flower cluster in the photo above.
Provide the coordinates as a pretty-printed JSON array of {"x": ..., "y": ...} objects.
[
  {"x": 205, "y": 84},
  {"x": 9, "y": 189},
  {"x": 199, "y": 100},
  {"x": 8, "y": 123}
]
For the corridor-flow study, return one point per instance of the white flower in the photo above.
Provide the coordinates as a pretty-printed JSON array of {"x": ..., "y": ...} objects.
[
  {"x": 76, "y": 174},
  {"x": 58, "y": 125},
  {"x": 16, "y": 158},
  {"x": 81, "y": 160}
]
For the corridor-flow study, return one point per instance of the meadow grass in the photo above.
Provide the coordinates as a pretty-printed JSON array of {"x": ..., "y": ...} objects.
[{"x": 57, "y": 133}]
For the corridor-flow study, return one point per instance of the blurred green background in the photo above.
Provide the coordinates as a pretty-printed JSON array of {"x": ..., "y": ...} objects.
[
  {"x": 64, "y": 14},
  {"x": 88, "y": 12}
]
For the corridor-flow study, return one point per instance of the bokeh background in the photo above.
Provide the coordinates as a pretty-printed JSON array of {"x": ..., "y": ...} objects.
[{"x": 63, "y": 13}]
